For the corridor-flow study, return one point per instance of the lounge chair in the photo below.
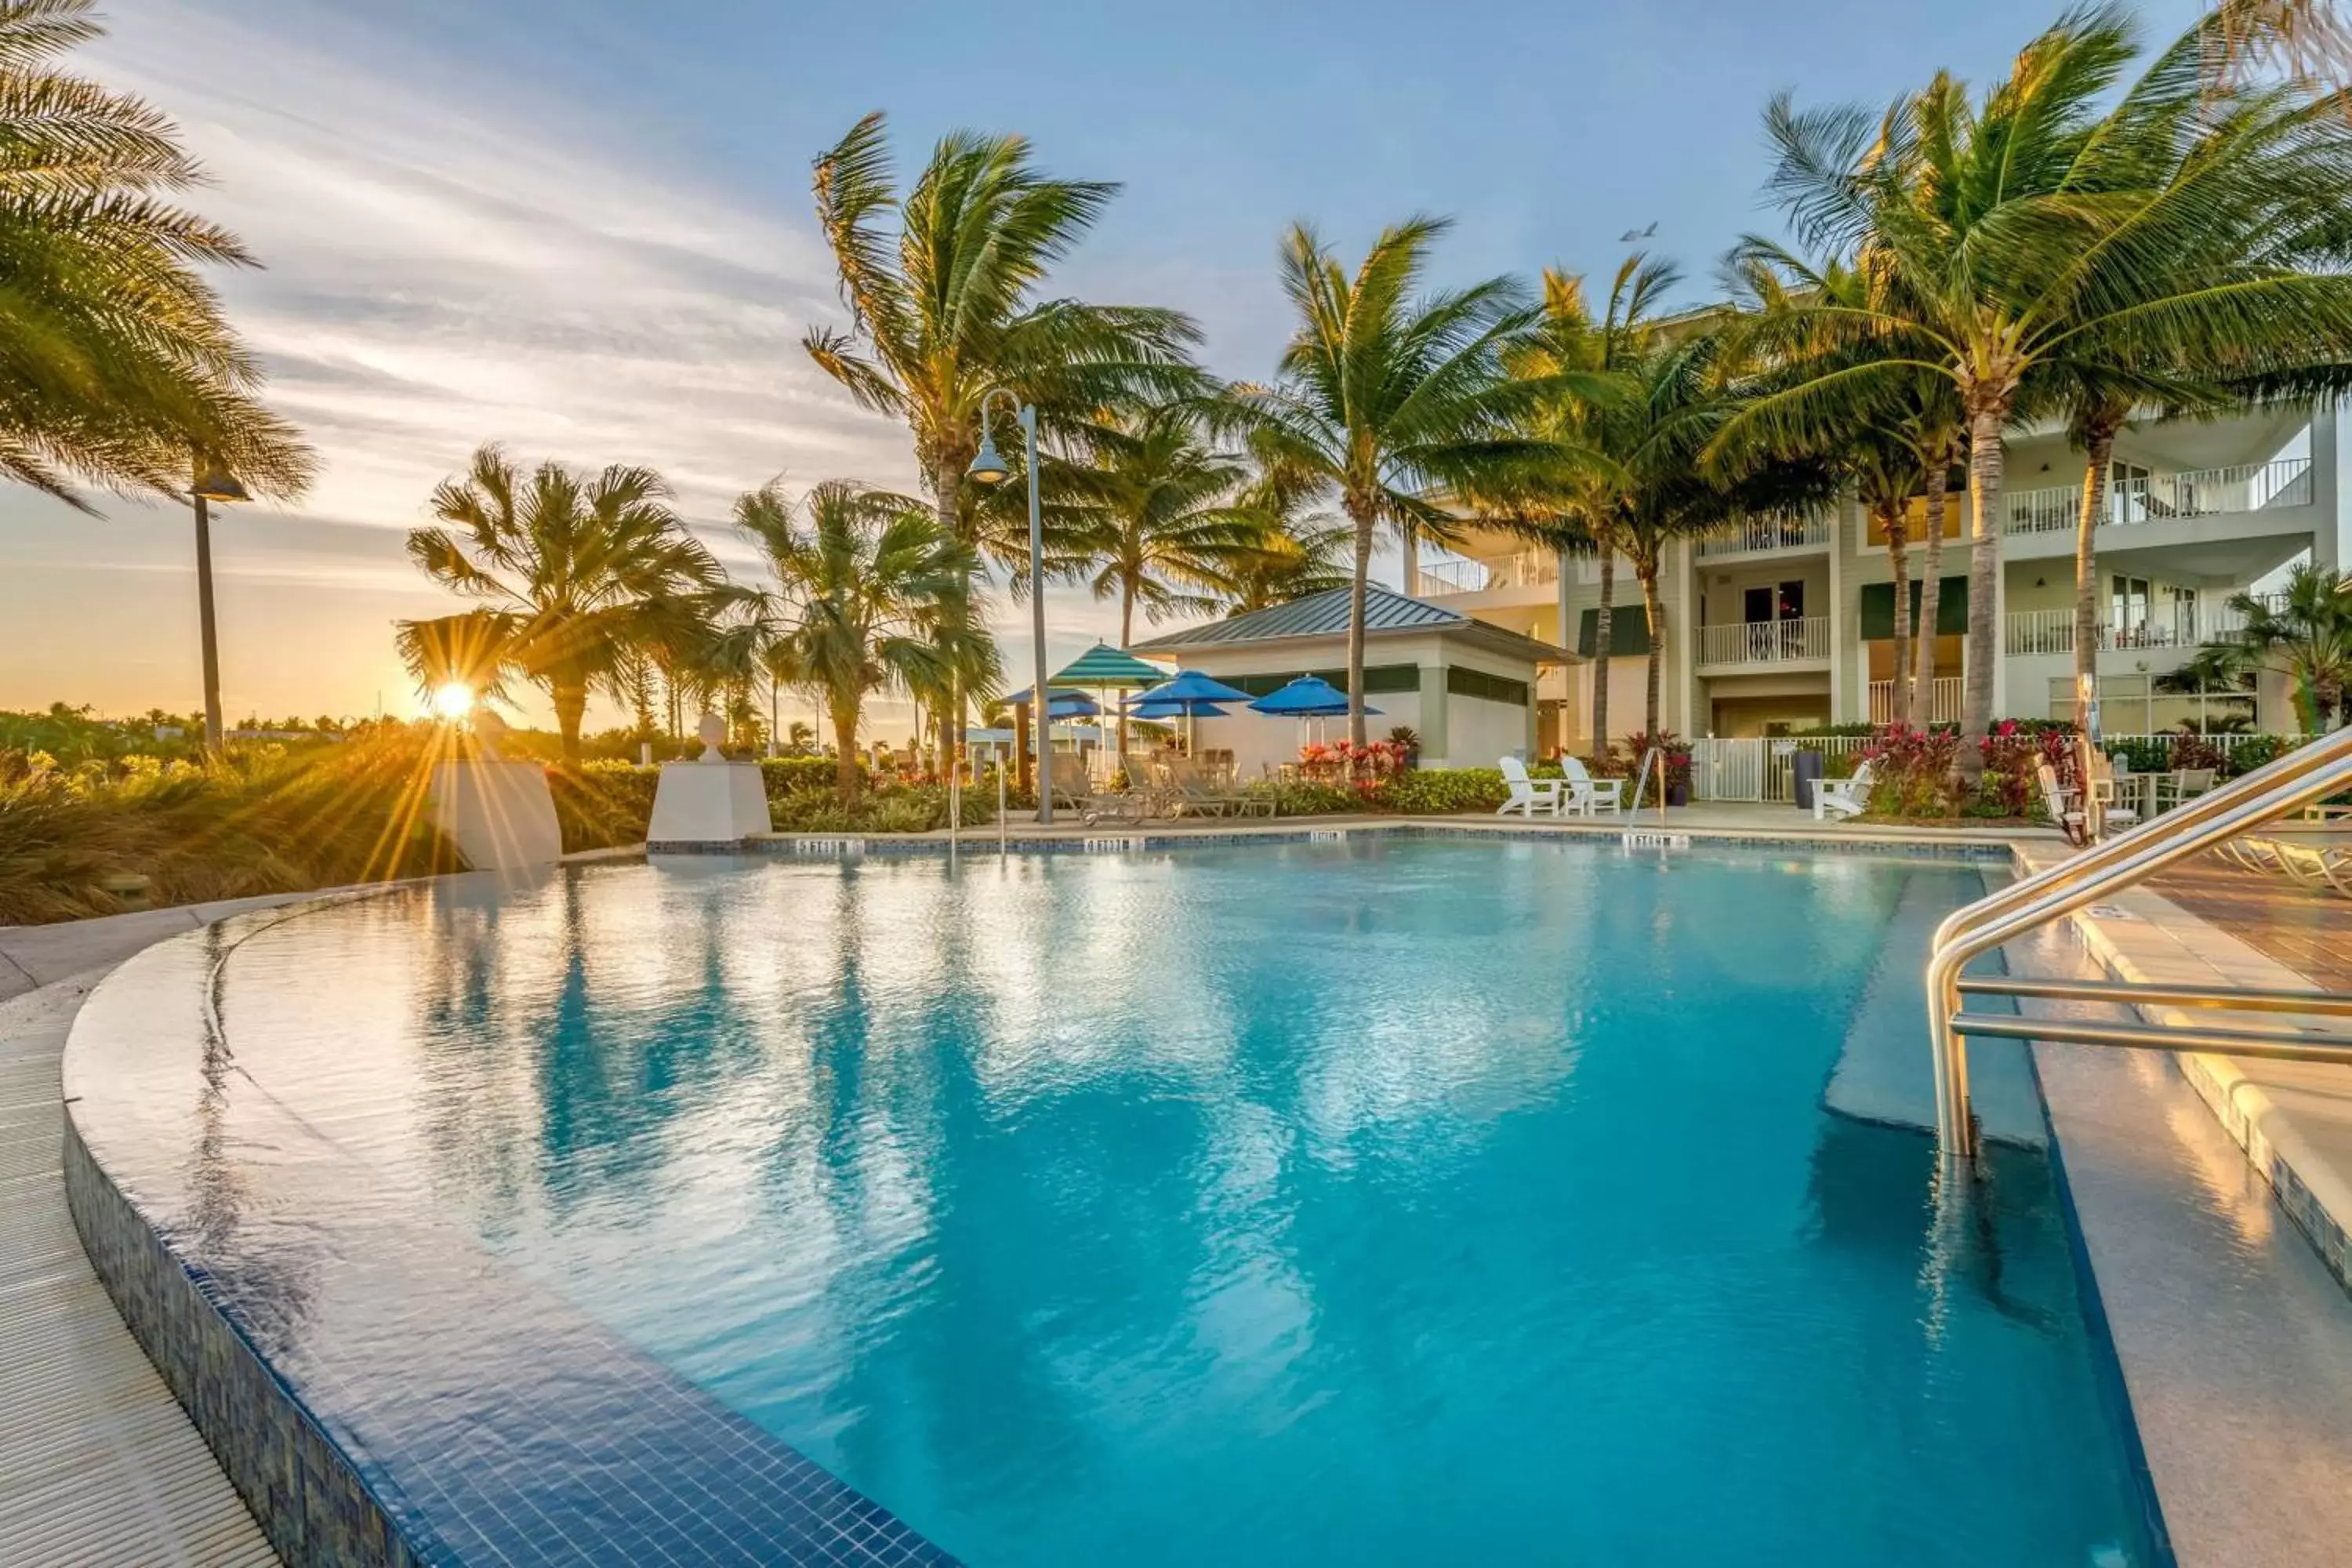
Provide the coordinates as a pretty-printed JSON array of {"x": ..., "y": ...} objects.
[
  {"x": 2102, "y": 789},
  {"x": 1529, "y": 796},
  {"x": 2183, "y": 785},
  {"x": 2314, "y": 866},
  {"x": 1075, "y": 792},
  {"x": 1587, "y": 795},
  {"x": 1193, "y": 790},
  {"x": 1844, "y": 797}
]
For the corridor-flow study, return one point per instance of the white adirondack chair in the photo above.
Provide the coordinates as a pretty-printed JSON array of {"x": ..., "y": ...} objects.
[
  {"x": 1527, "y": 795},
  {"x": 1842, "y": 798},
  {"x": 1589, "y": 796}
]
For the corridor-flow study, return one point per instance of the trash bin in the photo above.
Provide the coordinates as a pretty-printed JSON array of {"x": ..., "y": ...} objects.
[{"x": 1806, "y": 768}]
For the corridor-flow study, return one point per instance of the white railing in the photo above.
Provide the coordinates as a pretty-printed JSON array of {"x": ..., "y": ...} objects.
[
  {"x": 1765, "y": 642},
  {"x": 2030, "y": 632},
  {"x": 1441, "y": 577},
  {"x": 1943, "y": 697},
  {"x": 2214, "y": 620},
  {"x": 2162, "y": 498},
  {"x": 1520, "y": 569},
  {"x": 1759, "y": 768},
  {"x": 1759, "y": 535}
]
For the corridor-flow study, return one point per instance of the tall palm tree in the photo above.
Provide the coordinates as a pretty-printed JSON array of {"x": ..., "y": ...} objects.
[
  {"x": 575, "y": 573},
  {"x": 1396, "y": 403},
  {"x": 117, "y": 366},
  {"x": 871, "y": 581},
  {"x": 1158, "y": 519},
  {"x": 2008, "y": 241},
  {"x": 2307, "y": 634},
  {"x": 947, "y": 306}
]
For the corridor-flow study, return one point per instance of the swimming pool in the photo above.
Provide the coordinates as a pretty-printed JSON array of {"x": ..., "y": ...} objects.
[{"x": 1402, "y": 1200}]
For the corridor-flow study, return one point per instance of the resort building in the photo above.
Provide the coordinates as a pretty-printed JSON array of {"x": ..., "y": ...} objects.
[
  {"x": 1462, "y": 683},
  {"x": 1787, "y": 624}
]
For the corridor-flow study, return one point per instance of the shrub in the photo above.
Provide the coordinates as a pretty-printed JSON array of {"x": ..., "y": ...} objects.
[
  {"x": 1677, "y": 751},
  {"x": 1305, "y": 797},
  {"x": 2013, "y": 754},
  {"x": 1430, "y": 793},
  {"x": 1911, "y": 771}
]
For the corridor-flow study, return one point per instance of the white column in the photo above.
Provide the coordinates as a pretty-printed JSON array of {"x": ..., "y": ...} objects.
[{"x": 1839, "y": 705}]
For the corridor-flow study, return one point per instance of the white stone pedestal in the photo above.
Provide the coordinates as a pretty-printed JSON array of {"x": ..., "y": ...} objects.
[
  {"x": 708, "y": 802},
  {"x": 501, "y": 815}
]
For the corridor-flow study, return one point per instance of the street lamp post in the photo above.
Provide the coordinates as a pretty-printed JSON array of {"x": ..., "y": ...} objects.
[
  {"x": 989, "y": 468},
  {"x": 211, "y": 484}
]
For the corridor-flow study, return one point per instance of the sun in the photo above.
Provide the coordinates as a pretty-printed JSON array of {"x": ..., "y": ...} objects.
[{"x": 453, "y": 700}]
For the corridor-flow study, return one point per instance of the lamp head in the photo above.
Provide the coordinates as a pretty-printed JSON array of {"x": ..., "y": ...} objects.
[
  {"x": 217, "y": 483},
  {"x": 989, "y": 467}
]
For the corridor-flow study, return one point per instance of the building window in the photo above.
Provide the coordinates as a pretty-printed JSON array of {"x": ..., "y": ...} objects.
[
  {"x": 1461, "y": 682},
  {"x": 2127, "y": 600}
]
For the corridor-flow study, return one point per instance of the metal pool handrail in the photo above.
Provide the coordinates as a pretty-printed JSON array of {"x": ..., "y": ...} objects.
[
  {"x": 1641, "y": 776},
  {"x": 2308, "y": 773}
]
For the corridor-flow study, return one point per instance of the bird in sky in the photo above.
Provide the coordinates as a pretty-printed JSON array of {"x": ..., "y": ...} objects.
[{"x": 1631, "y": 234}]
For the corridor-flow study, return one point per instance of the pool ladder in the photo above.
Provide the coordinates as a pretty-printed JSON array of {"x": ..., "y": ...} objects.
[{"x": 2306, "y": 774}]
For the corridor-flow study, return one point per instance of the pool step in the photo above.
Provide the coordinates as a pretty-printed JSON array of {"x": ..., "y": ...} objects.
[{"x": 1886, "y": 1075}]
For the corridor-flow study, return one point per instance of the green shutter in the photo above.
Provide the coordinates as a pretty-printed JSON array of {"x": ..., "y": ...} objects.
[
  {"x": 1878, "y": 609},
  {"x": 1629, "y": 631}
]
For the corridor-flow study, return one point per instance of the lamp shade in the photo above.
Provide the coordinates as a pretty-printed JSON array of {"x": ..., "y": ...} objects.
[
  {"x": 989, "y": 467},
  {"x": 217, "y": 483}
]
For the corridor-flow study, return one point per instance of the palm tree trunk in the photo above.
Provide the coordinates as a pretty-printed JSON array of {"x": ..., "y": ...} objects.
[
  {"x": 571, "y": 703},
  {"x": 1602, "y": 632},
  {"x": 845, "y": 742},
  {"x": 1647, "y": 571},
  {"x": 1126, "y": 636},
  {"x": 1985, "y": 422},
  {"x": 2099, "y": 447},
  {"x": 1939, "y": 480},
  {"x": 1362, "y": 514},
  {"x": 1898, "y": 557}
]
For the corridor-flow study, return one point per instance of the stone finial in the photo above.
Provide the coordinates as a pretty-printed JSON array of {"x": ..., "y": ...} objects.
[{"x": 713, "y": 730}]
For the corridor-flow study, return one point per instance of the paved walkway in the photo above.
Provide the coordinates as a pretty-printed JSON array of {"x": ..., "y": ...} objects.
[{"x": 99, "y": 1465}]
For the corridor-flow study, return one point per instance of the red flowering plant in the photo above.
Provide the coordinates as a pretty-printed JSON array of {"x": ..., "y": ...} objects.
[
  {"x": 1674, "y": 750},
  {"x": 1911, "y": 771},
  {"x": 1367, "y": 766},
  {"x": 2013, "y": 753}
]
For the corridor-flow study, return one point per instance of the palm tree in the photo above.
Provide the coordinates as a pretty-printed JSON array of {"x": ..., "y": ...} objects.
[
  {"x": 1157, "y": 519},
  {"x": 872, "y": 582},
  {"x": 117, "y": 366},
  {"x": 577, "y": 573},
  {"x": 1395, "y": 403},
  {"x": 2307, "y": 634},
  {"x": 2029, "y": 236},
  {"x": 948, "y": 308}
]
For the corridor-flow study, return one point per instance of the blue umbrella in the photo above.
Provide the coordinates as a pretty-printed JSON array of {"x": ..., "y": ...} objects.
[
  {"x": 1309, "y": 697},
  {"x": 1063, "y": 704},
  {"x": 1144, "y": 708},
  {"x": 1192, "y": 686}
]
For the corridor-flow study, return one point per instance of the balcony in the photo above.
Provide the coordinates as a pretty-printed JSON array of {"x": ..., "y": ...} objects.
[
  {"x": 1521, "y": 569},
  {"x": 2029, "y": 633},
  {"x": 1944, "y": 697},
  {"x": 1765, "y": 642},
  {"x": 1768, "y": 535},
  {"x": 2166, "y": 498}
]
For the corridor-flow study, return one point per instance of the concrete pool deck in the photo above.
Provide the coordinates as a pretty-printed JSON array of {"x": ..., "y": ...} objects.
[{"x": 2235, "y": 1343}]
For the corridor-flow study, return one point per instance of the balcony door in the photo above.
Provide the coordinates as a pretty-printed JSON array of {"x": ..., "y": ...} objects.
[
  {"x": 2127, "y": 486},
  {"x": 2127, "y": 606}
]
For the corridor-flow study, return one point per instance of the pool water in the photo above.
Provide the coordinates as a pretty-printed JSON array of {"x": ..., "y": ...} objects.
[{"x": 1387, "y": 1202}]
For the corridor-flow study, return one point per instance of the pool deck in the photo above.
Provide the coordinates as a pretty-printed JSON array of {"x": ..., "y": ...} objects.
[{"x": 2233, "y": 1330}]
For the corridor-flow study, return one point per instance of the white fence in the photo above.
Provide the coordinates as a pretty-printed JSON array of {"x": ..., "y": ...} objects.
[{"x": 1761, "y": 768}]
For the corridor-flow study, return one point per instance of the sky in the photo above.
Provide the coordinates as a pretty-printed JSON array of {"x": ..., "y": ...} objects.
[{"x": 582, "y": 228}]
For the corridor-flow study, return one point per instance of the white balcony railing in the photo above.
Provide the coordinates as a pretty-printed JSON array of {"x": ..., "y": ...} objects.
[
  {"x": 2032, "y": 632},
  {"x": 2162, "y": 498},
  {"x": 1765, "y": 642},
  {"x": 1760, "y": 535},
  {"x": 1521, "y": 569},
  {"x": 1944, "y": 697}
]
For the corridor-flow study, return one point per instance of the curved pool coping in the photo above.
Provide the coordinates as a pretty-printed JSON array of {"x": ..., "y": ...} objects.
[{"x": 470, "y": 1415}]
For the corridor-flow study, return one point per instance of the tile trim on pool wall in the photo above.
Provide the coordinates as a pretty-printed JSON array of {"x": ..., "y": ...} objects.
[{"x": 307, "y": 1495}]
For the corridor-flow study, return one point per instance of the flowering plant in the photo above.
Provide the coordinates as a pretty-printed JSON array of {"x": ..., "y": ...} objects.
[{"x": 1366, "y": 766}]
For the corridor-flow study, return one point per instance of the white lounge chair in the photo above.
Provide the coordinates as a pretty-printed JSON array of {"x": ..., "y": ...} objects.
[
  {"x": 1527, "y": 795},
  {"x": 1587, "y": 795},
  {"x": 1842, "y": 798}
]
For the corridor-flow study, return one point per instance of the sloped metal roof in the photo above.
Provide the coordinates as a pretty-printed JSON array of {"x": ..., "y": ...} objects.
[{"x": 1316, "y": 615}]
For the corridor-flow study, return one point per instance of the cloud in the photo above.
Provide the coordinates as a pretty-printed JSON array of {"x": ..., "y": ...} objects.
[{"x": 447, "y": 260}]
